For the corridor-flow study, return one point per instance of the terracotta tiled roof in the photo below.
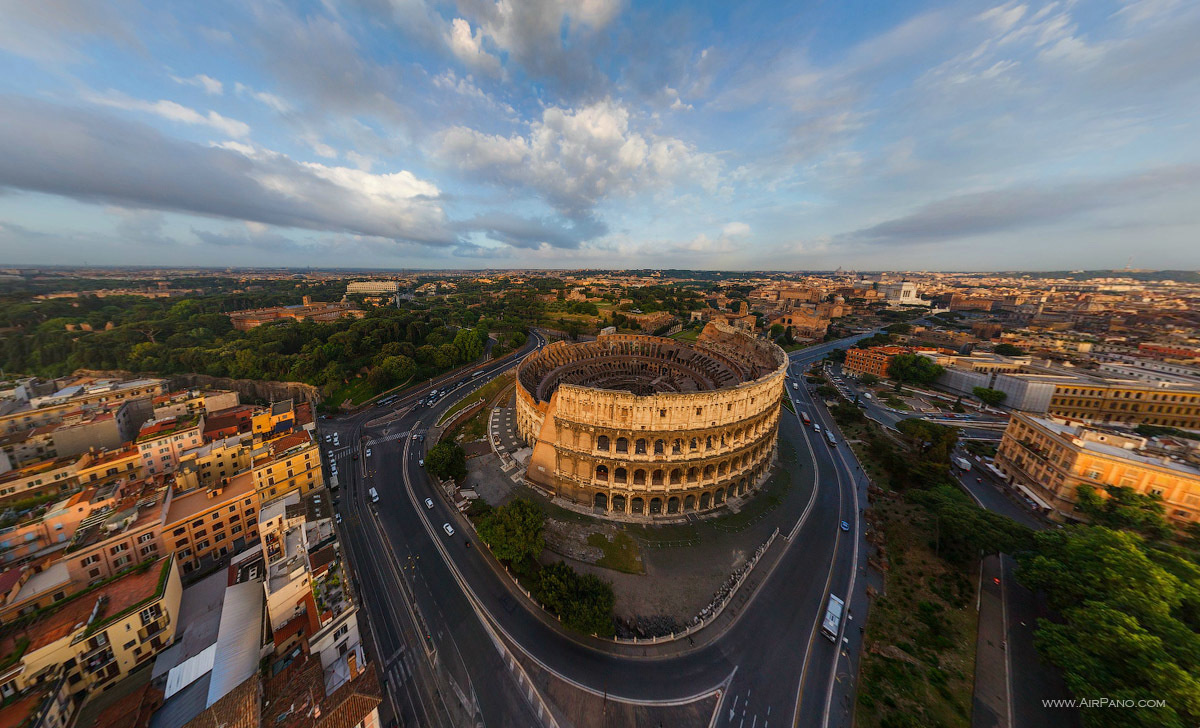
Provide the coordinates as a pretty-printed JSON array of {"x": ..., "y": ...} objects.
[{"x": 240, "y": 708}]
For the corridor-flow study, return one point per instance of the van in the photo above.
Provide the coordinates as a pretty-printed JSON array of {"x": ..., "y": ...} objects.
[{"x": 374, "y": 495}]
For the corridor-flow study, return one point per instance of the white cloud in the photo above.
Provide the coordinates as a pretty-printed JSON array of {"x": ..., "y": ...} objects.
[
  {"x": 211, "y": 86},
  {"x": 269, "y": 99},
  {"x": 171, "y": 111},
  {"x": 468, "y": 47},
  {"x": 577, "y": 157}
]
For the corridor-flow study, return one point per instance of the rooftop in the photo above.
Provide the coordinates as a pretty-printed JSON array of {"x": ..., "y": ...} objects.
[
  {"x": 184, "y": 506},
  {"x": 1084, "y": 437},
  {"x": 166, "y": 426}
]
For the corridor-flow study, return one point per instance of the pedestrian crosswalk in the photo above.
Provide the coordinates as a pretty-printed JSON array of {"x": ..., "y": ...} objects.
[{"x": 394, "y": 436}]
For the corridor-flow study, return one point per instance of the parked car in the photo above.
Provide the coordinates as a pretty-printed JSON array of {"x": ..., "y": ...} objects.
[
  {"x": 368, "y": 452},
  {"x": 421, "y": 462}
]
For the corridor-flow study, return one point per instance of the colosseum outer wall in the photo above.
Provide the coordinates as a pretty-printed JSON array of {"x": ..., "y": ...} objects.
[{"x": 667, "y": 452}]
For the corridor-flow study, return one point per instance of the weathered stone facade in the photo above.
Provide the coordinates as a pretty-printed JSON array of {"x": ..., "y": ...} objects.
[{"x": 644, "y": 425}]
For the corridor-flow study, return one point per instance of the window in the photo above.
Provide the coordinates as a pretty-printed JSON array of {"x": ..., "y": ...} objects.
[
  {"x": 181, "y": 543},
  {"x": 236, "y": 529},
  {"x": 90, "y": 560},
  {"x": 215, "y": 516},
  {"x": 149, "y": 549},
  {"x": 93, "y": 573},
  {"x": 179, "y": 531},
  {"x": 145, "y": 537},
  {"x": 119, "y": 548},
  {"x": 121, "y": 561},
  {"x": 200, "y": 533},
  {"x": 219, "y": 537},
  {"x": 150, "y": 614},
  {"x": 202, "y": 545}
]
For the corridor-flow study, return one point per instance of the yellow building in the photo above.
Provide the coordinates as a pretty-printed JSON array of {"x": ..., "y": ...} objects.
[
  {"x": 208, "y": 465},
  {"x": 204, "y": 525},
  {"x": 285, "y": 464},
  {"x": 108, "y": 465},
  {"x": 1052, "y": 457},
  {"x": 95, "y": 637},
  {"x": 1128, "y": 401}
]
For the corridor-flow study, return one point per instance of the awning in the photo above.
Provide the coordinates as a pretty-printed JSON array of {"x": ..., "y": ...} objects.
[{"x": 1034, "y": 497}]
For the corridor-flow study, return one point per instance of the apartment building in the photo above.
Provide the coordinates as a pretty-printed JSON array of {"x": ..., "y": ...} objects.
[
  {"x": 88, "y": 641},
  {"x": 1051, "y": 457},
  {"x": 126, "y": 530},
  {"x": 874, "y": 360},
  {"x": 104, "y": 466},
  {"x": 204, "y": 525},
  {"x": 84, "y": 394},
  {"x": 374, "y": 288},
  {"x": 286, "y": 463},
  {"x": 207, "y": 465},
  {"x": 162, "y": 442},
  {"x": 188, "y": 402},
  {"x": 40, "y": 478}
]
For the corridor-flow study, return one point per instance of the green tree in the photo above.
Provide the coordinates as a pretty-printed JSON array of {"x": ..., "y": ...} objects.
[
  {"x": 914, "y": 369},
  {"x": 584, "y": 603},
  {"x": 990, "y": 397},
  {"x": 776, "y": 331},
  {"x": 1123, "y": 507},
  {"x": 514, "y": 532},
  {"x": 899, "y": 329},
  {"x": 446, "y": 460},
  {"x": 1008, "y": 350},
  {"x": 868, "y": 379}
]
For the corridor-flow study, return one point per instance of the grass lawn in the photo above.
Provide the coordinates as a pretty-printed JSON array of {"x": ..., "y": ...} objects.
[
  {"x": 620, "y": 554},
  {"x": 687, "y": 335},
  {"x": 787, "y": 402},
  {"x": 487, "y": 391},
  {"x": 357, "y": 390},
  {"x": 475, "y": 426}
]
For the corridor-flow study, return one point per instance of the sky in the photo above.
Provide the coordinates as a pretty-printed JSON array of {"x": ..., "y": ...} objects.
[{"x": 601, "y": 134}]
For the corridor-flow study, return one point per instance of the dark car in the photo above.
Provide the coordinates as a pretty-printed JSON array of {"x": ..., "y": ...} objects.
[{"x": 845, "y": 526}]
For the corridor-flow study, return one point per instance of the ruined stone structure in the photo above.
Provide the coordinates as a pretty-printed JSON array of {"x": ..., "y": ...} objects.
[{"x": 644, "y": 425}]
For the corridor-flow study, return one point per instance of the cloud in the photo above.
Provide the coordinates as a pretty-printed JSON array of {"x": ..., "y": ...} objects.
[
  {"x": 574, "y": 158},
  {"x": 1018, "y": 208},
  {"x": 272, "y": 101},
  {"x": 211, "y": 86},
  {"x": 93, "y": 157},
  {"x": 534, "y": 233},
  {"x": 171, "y": 111},
  {"x": 53, "y": 30},
  {"x": 468, "y": 47}
]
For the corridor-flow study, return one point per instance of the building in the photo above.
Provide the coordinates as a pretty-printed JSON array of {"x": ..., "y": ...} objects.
[
  {"x": 86, "y": 394},
  {"x": 38, "y": 479},
  {"x": 803, "y": 324},
  {"x": 209, "y": 465},
  {"x": 1050, "y": 457},
  {"x": 648, "y": 426},
  {"x": 874, "y": 360},
  {"x": 95, "y": 637},
  {"x": 307, "y": 311},
  {"x": 204, "y": 525},
  {"x": 162, "y": 442},
  {"x": 188, "y": 402},
  {"x": 287, "y": 463},
  {"x": 904, "y": 293},
  {"x": 374, "y": 288}
]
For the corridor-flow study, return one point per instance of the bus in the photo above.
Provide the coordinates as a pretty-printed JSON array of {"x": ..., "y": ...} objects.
[
  {"x": 477, "y": 374},
  {"x": 833, "y": 618},
  {"x": 829, "y": 437},
  {"x": 804, "y": 418}
]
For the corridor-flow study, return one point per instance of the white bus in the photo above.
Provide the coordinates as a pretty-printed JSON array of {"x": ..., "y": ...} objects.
[{"x": 833, "y": 618}]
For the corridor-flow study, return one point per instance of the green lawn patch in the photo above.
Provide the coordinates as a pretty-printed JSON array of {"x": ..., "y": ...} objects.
[
  {"x": 687, "y": 335},
  {"x": 487, "y": 391},
  {"x": 620, "y": 553},
  {"x": 787, "y": 402},
  {"x": 357, "y": 390}
]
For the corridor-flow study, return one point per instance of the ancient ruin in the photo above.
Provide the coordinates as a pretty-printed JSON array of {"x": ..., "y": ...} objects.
[{"x": 650, "y": 426}]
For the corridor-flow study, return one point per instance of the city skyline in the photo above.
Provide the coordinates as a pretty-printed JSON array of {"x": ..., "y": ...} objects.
[{"x": 601, "y": 134}]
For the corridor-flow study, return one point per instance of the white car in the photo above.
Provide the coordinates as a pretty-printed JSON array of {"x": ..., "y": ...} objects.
[
  {"x": 329, "y": 438},
  {"x": 337, "y": 517},
  {"x": 368, "y": 452},
  {"x": 817, "y": 428},
  {"x": 429, "y": 503},
  {"x": 448, "y": 529},
  {"x": 421, "y": 462}
]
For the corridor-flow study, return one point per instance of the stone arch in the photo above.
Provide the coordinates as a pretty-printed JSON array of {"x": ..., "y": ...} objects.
[
  {"x": 618, "y": 503},
  {"x": 676, "y": 476},
  {"x": 656, "y": 478},
  {"x": 722, "y": 469},
  {"x": 620, "y": 475},
  {"x": 637, "y": 505},
  {"x": 705, "y": 501},
  {"x": 719, "y": 496},
  {"x": 655, "y": 506},
  {"x": 677, "y": 447},
  {"x": 709, "y": 472},
  {"x": 660, "y": 447},
  {"x": 600, "y": 501},
  {"x": 673, "y": 504},
  {"x": 639, "y": 447},
  {"x": 639, "y": 477},
  {"x": 602, "y": 443},
  {"x": 689, "y": 503},
  {"x": 708, "y": 443},
  {"x": 693, "y": 475},
  {"x": 695, "y": 444},
  {"x": 742, "y": 487},
  {"x": 602, "y": 472},
  {"x": 622, "y": 444}
]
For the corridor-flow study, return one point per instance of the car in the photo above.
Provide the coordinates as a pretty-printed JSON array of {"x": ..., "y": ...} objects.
[
  {"x": 817, "y": 428},
  {"x": 368, "y": 452},
  {"x": 448, "y": 529},
  {"x": 329, "y": 438},
  {"x": 329, "y": 454},
  {"x": 421, "y": 462},
  {"x": 337, "y": 517},
  {"x": 415, "y": 436},
  {"x": 845, "y": 526},
  {"x": 354, "y": 456},
  {"x": 429, "y": 503}
]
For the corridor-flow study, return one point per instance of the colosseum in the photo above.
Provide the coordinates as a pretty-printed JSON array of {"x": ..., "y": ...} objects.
[{"x": 649, "y": 426}]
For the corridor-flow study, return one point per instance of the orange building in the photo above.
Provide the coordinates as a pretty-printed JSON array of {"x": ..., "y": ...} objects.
[{"x": 871, "y": 361}]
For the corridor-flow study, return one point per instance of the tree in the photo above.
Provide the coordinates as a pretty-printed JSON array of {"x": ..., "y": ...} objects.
[
  {"x": 1008, "y": 350},
  {"x": 868, "y": 379},
  {"x": 584, "y": 603},
  {"x": 899, "y": 329},
  {"x": 914, "y": 369},
  {"x": 990, "y": 397},
  {"x": 514, "y": 532},
  {"x": 776, "y": 331},
  {"x": 446, "y": 460},
  {"x": 1124, "y": 508}
]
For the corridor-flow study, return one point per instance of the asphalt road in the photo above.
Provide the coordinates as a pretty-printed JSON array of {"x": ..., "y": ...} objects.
[{"x": 773, "y": 664}]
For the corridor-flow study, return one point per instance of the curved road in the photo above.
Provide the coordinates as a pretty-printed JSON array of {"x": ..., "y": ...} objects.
[{"x": 772, "y": 665}]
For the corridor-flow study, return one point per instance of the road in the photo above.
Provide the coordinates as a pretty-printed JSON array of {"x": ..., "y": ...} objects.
[{"x": 772, "y": 665}]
